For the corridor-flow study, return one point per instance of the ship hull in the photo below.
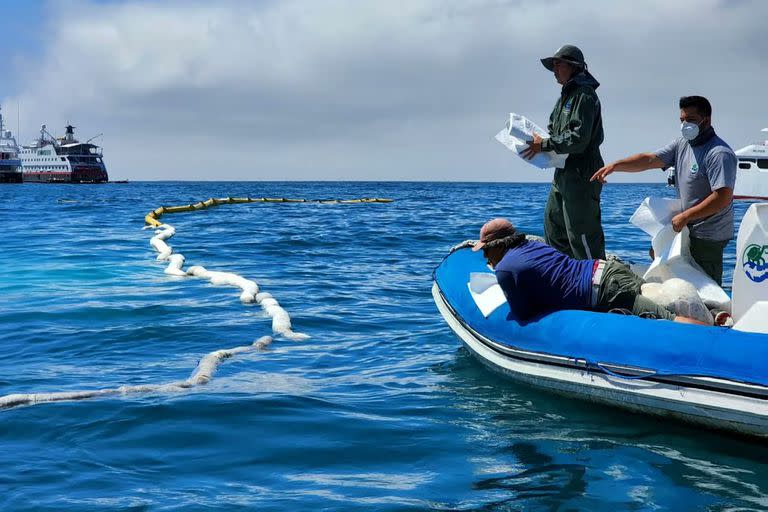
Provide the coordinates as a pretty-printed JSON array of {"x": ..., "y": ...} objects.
[
  {"x": 10, "y": 177},
  {"x": 10, "y": 171},
  {"x": 85, "y": 174},
  {"x": 62, "y": 160}
]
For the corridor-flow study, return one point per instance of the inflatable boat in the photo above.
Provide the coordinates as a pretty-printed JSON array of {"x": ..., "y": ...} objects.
[{"x": 711, "y": 376}]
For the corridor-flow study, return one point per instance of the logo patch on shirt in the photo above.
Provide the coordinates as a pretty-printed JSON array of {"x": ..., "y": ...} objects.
[
  {"x": 567, "y": 107},
  {"x": 694, "y": 168}
]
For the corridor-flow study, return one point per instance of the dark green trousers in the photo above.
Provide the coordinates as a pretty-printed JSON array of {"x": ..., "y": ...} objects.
[
  {"x": 620, "y": 288},
  {"x": 709, "y": 255},
  {"x": 572, "y": 222}
]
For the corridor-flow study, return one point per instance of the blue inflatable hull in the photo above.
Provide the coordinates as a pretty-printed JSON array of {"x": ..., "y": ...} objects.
[{"x": 566, "y": 350}]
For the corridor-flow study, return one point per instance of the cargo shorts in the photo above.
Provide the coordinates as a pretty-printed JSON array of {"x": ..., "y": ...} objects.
[{"x": 620, "y": 288}]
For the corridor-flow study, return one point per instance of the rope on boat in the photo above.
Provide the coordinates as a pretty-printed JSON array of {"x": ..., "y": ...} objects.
[
  {"x": 152, "y": 217},
  {"x": 202, "y": 374}
]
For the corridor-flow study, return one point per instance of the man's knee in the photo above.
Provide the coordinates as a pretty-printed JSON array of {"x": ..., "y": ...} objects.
[{"x": 645, "y": 307}]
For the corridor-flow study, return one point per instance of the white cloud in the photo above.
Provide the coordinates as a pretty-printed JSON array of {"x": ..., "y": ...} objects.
[{"x": 309, "y": 89}]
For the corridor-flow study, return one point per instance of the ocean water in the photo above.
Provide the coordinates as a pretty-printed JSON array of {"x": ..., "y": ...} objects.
[{"x": 381, "y": 409}]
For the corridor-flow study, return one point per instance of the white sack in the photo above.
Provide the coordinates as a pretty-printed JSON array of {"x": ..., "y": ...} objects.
[
  {"x": 672, "y": 251},
  {"x": 679, "y": 297},
  {"x": 516, "y": 135}
]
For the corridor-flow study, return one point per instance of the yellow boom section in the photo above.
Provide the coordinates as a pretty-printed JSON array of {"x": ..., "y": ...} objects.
[{"x": 152, "y": 217}]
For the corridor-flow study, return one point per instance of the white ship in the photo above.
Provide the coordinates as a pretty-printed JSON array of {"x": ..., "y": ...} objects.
[
  {"x": 752, "y": 173},
  {"x": 10, "y": 165},
  {"x": 63, "y": 160}
]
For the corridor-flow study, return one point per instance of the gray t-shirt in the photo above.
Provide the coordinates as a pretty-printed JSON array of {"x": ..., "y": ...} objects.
[{"x": 699, "y": 170}]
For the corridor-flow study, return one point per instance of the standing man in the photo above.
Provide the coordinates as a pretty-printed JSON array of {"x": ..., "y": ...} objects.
[
  {"x": 705, "y": 174},
  {"x": 572, "y": 215}
]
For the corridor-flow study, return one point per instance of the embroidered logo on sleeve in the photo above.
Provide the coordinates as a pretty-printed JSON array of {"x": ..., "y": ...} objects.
[
  {"x": 567, "y": 107},
  {"x": 694, "y": 168}
]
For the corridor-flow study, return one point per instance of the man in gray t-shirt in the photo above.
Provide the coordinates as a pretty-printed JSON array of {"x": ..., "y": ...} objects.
[{"x": 705, "y": 174}]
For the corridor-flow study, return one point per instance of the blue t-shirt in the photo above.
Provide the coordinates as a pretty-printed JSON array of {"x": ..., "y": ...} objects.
[{"x": 538, "y": 279}]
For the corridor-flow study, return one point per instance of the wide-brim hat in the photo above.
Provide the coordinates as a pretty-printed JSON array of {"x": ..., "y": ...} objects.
[{"x": 568, "y": 53}]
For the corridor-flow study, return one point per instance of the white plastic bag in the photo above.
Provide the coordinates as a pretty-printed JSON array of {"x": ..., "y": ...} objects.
[
  {"x": 516, "y": 135},
  {"x": 672, "y": 251},
  {"x": 680, "y": 297}
]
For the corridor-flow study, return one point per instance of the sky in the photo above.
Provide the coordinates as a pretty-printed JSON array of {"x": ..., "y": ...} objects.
[{"x": 367, "y": 89}]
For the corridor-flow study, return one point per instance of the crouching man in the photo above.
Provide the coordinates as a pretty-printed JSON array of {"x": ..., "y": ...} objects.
[{"x": 537, "y": 279}]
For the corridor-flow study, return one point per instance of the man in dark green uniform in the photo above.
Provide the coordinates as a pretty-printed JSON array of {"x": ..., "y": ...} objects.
[{"x": 572, "y": 216}]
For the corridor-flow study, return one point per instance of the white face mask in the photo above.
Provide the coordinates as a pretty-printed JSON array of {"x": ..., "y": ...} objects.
[{"x": 689, "y": 130}]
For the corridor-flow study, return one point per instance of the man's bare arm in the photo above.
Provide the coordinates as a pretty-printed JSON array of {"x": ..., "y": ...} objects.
[
  {"x": 635, "y": 163},
  {"x": 710, "y": 205}
]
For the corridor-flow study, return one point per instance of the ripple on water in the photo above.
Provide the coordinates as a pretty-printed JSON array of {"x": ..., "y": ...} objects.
[{"x": 380, "y": 409}]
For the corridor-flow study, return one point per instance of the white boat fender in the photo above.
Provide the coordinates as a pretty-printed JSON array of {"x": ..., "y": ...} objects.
[
  {"x": 247, "y": 297},
  {"x": 266, "y": 302},
  {"x": 197, "y": 271},
  {"x": 222, "y": 278},
  {"x": 165, "y": 231},
  {"x": 202, "y": 374},
  {"x": 161, "y": 247},
  {"x": 174, "y": 266},
  {"x": 281, "y": 321}
]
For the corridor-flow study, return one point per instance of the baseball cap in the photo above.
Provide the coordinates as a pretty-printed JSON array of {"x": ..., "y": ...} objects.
[{"x": 494, "y": 229}]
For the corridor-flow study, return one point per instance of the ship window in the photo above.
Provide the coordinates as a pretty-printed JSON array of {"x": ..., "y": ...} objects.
[
  {"x": 744, "y": 165},
  {"x": 62, "y": 158},
  {"x": 762, "y": 163}
]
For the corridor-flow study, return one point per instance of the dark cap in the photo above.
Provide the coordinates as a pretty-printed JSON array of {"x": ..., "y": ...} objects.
[
  {"x": 495, "y": 229},
  {"x": 568, "y": 53}
]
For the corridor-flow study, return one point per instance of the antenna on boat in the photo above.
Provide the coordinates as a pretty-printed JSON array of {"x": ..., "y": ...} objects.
[
  {"x": 94, "y": 137},
  {"x": 2, "y": 125},
  {"x": 44, "y": 132}
]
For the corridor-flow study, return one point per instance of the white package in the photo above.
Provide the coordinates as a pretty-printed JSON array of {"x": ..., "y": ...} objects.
[
  {"x": 516, "y": 135},
  {"x": 486, "y": 292}
]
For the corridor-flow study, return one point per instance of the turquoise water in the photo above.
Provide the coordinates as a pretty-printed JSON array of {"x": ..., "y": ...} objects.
[{"x": 380, "y": 410}]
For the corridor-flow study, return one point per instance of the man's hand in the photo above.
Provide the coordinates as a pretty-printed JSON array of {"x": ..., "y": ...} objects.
[
  {"x": 534, "y": 147},
  {"x": 679, "y": 221},
  {"x": 603, "y": 172}
]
